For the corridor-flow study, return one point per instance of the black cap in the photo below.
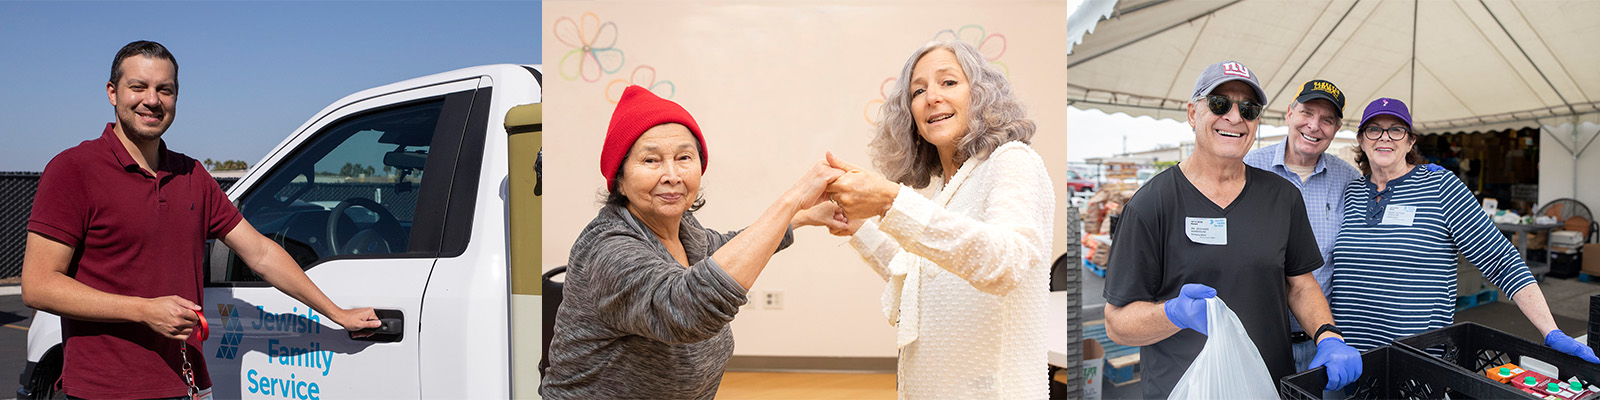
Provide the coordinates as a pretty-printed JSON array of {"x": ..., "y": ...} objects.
[{"x": 1321, "y": 89}]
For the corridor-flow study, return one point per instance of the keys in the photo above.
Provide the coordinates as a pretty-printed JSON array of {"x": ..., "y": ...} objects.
[{"x": 188, "y": 370}]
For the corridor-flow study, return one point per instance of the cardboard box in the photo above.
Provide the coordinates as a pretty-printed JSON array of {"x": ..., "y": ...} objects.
[
  {"x": 1536, "y": 240},
  {"x": 1094, "y": 358},
  {"x": 1102, "y": 256},
  {"x": 1591, "y": 264},
  {"x": 1093, "y": 361}
]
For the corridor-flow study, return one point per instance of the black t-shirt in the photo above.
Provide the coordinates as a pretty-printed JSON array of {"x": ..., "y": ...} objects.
[{"x": 1268, "y": 239}]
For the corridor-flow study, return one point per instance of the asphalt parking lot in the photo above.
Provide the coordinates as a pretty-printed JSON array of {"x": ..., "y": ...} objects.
[{"x": 14, "y": 321}]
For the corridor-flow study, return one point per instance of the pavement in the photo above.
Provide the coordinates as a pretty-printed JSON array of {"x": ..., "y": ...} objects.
[
  {"x": 1569, "y": 304},
  {"x": 14, "y": 321}
]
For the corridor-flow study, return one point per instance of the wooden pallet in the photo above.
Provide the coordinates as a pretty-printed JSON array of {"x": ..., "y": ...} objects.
[
  {"x": 1095, "y": 268},
  {"x": 1119, "y": 187},
  {"x": 1122, "y": 362},
  {"x": 1482, "y": 297}
]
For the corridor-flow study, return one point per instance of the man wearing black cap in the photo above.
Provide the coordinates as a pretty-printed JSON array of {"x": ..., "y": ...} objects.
[
  {"x": 1214, "y": 227},
  {"x": 1316, "y": 113}
]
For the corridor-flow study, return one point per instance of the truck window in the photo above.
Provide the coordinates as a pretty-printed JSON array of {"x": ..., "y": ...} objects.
[{"x": 349, "y": 191}]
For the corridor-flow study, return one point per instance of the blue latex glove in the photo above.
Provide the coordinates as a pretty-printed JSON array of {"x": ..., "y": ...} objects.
[
  {"x": 1432, "y": 167},
  {"x": 1188, "y": 310},
  {"x": 1566, "y": 344},
  {"x": 1343, "y": 362}
]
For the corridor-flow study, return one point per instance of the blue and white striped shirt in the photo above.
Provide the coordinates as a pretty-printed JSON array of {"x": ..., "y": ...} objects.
[{"x": 1396, "y": 276}]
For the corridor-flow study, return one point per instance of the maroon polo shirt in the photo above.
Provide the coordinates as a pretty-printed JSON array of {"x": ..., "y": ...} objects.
[{"x": 133, "y": 234}]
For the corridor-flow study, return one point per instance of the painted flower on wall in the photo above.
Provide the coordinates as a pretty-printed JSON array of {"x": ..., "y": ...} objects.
[
  {"x": 593, "y": 44},
  {"x": 875, "y": 106},
  {"x": 644, "y": 76},
  {"x": 993, "y": 46}
]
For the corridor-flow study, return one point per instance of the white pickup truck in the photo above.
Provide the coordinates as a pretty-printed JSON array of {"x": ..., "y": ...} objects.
[{"x": 418, "y": 198}]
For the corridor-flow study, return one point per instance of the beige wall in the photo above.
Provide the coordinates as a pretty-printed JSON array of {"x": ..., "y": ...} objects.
[{"x": 774, "y": 85}]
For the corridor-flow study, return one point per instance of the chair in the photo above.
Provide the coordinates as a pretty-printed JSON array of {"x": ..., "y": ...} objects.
[
  {"x": 1566, "y": 210},
  {"x": 552, "y": 303}
]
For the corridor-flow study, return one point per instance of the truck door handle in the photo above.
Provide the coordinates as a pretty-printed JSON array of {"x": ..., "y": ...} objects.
[{"x": 392, "y": 328}]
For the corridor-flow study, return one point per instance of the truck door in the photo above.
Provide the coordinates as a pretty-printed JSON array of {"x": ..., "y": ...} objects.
[{"x": 357, "y": 198}]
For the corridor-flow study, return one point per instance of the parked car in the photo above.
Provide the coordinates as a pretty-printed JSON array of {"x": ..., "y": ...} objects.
[
  {"x": 1078, "y": 184},
  {"x": 439, "y": 233}
]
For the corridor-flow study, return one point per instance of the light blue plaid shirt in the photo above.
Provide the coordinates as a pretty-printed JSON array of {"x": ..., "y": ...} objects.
[{"x": 1322, "y": 192}]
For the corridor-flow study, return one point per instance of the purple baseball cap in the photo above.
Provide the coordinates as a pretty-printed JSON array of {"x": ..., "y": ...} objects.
[{"x": 1386, "y": 106}]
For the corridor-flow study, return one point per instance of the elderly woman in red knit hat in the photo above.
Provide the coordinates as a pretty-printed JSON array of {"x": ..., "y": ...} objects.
[
  {"x": 968, "y": 270},
  {"x": 649, "y": 292}
]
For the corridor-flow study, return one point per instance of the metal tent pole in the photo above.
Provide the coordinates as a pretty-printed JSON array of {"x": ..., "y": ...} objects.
[{"x": 1413, "y": 98}]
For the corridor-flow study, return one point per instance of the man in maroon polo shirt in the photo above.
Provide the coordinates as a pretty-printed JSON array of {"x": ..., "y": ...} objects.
[{"x": 115, "y": 245}]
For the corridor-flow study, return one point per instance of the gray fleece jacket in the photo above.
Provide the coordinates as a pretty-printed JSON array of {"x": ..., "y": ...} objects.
[{"x": 633, "y": 323}]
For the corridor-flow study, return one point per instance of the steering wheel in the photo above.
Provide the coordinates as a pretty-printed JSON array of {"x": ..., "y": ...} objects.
[{"x": 368, "y": 240}]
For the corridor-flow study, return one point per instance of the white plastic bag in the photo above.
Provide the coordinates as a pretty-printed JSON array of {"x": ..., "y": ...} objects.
[{"x": 1229, "y": 367}]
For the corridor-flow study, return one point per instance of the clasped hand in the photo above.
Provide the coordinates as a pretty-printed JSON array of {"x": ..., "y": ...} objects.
[
  {"x": 849, "y": 196},
  {"x": 814, "y": 203},
  {"x": 860, "y": 193}
]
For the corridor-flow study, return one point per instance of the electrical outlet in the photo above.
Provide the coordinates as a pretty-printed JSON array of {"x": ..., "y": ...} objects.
[{"x": 773, "y": 300}]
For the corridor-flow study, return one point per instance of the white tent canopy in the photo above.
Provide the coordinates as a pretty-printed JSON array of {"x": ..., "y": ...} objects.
[{"x": 1461, "y": 65}]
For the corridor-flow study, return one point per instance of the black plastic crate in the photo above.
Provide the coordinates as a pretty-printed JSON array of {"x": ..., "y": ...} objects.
[
  {"x": 1391, "y": 373},
  {"x": 1594, "y": 321},
  {"x": 1472, "y": 348},
  {"x": 1565, "y": 266}
]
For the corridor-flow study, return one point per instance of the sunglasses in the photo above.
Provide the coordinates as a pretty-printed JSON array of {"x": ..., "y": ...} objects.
[{"x": 1219, "y": 105}]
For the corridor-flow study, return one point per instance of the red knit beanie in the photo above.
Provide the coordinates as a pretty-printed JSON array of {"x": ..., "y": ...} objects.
[{"x": 638, "y": 111}]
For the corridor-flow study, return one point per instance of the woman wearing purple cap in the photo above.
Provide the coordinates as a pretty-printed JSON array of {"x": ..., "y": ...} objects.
[
  {"x": 1395, "y": 256},
  {"x": 649, "y": 291}
]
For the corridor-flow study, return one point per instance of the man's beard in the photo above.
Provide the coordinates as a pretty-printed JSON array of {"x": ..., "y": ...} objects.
[{"x": 138, "y": 132}]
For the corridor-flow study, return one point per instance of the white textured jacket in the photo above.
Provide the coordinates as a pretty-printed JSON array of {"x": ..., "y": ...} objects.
[{"x": 969, "y": 279}]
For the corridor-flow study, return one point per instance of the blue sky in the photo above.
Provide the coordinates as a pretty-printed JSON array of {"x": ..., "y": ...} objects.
[{"x": 250, "y": 72}]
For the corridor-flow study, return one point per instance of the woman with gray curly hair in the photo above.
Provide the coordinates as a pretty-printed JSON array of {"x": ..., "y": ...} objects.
[{"x": 968, "y": 270}]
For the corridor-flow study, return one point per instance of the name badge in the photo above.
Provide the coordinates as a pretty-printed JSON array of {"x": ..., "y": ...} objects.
[
  {"x": 1212, "y": 231},
  {"x": 1399, "y": 215}
]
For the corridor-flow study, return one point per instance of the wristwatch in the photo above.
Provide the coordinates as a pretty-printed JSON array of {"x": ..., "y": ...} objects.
[{"x": 1327, "y": 328}]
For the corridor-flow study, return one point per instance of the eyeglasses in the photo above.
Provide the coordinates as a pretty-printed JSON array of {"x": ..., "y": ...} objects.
[
  {"x": 1219, "y": 104},
  {"x": 1395, "y": 133}
]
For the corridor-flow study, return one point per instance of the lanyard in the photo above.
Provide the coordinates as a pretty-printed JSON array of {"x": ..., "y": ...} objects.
[
  {"x": 204, "y": 330},
  {"x": 188, "y": 371}
]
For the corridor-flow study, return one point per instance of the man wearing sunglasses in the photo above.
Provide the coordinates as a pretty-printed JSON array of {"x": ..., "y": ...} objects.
[
  {"x": 1215, "y": 227},
  {"x": 1316, "y": 113}
]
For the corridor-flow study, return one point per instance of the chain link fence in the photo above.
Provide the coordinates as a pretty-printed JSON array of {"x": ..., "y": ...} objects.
[{"x": 16, "y": 203}]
